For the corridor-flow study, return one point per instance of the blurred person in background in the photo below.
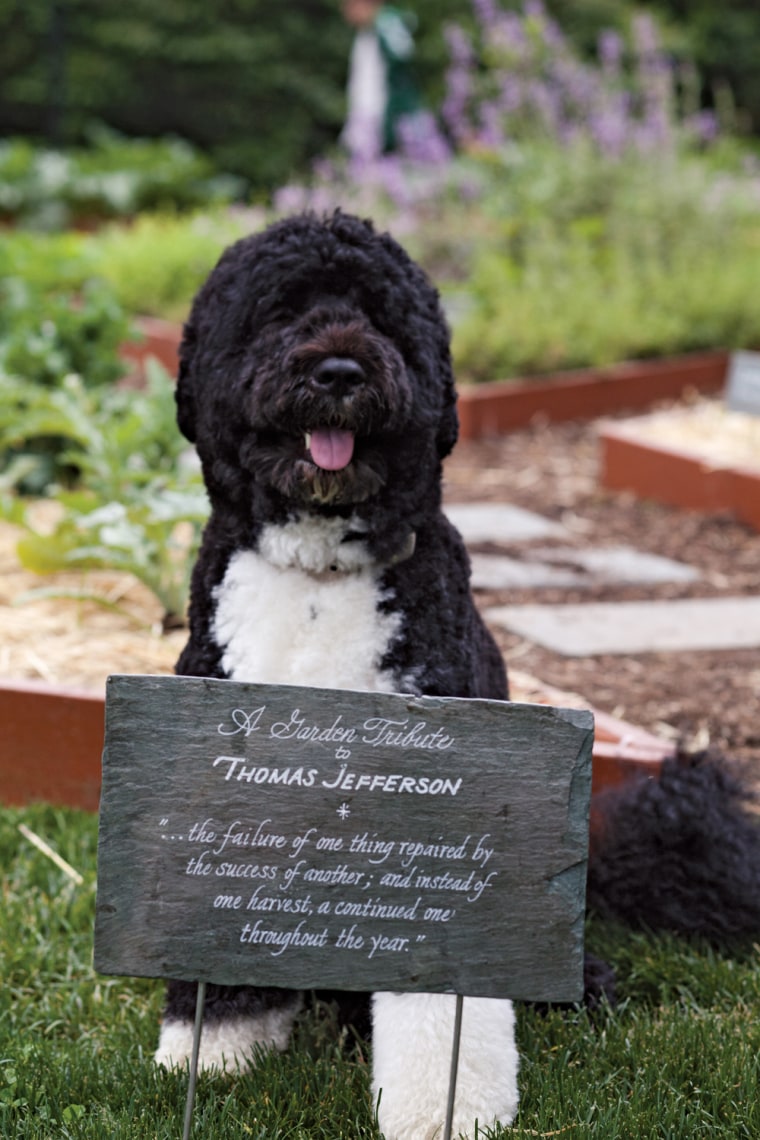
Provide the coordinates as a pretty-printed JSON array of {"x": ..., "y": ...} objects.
[{"x": 381, "y": 84}]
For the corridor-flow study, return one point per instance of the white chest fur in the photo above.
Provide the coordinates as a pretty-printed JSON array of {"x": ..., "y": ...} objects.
[{"x": 302, "y": 609}]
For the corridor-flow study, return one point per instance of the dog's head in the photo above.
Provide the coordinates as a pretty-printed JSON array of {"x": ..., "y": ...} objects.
[{"x": 314, "y": 363}]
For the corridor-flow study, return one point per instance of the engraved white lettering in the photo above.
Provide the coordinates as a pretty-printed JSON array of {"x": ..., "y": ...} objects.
[
  {"x": 382, "y": 731},
  {"x": 242, "y": 722}
]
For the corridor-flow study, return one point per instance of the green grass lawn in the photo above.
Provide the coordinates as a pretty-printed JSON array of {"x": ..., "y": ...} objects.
[{"x": 678, "y": 1057}]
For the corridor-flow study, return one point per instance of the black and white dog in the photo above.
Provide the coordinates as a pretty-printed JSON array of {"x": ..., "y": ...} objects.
[{"x": 316, "y": 382}]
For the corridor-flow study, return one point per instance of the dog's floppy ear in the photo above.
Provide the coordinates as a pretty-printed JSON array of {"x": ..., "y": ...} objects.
[
  {"x": 448, "y": 424},
  {"x": 184, "y": 393},
  {"x": 448, "y": 428}
]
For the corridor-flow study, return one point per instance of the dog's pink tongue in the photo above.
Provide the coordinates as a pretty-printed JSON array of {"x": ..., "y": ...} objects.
[{"x": 331, "y": 448}]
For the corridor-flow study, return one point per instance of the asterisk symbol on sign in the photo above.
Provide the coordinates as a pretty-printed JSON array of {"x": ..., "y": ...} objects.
[{"x": 344, "y": 811}]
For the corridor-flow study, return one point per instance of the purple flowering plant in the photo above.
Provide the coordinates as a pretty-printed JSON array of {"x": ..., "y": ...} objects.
[
  {"x": 520, "y": 79},
  {"x": 574, "y": 212},
  {"x": 516, "y": 81}
]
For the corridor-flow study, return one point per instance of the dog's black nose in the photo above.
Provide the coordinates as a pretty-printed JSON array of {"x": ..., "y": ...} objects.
[{"x": 338, "y": 373}]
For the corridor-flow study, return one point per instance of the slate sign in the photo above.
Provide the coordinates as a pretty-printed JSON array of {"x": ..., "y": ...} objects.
[
  {"x": 313, "y": 838},
  {"x": 743, "y": 386}
]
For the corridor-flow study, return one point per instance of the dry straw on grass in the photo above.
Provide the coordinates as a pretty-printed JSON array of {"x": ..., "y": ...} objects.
[{"x": 74, "y": 641}]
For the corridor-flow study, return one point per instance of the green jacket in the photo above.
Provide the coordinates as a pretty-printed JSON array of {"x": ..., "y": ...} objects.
[{"x": 394, "y": 32}]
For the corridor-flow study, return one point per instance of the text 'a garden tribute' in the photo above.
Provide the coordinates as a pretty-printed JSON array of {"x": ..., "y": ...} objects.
[{"x": 279, "y": 835}]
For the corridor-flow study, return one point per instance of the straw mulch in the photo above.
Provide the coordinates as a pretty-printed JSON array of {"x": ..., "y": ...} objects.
[{"x": 74, "y": 642}]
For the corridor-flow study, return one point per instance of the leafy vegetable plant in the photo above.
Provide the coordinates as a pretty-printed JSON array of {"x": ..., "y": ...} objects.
[
  {"x": 113, "y": 177},
  {"x": 138, "y": 507},
  {"x": 46, "y": 336}
]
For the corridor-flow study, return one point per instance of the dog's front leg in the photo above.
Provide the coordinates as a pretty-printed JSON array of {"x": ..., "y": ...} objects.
[
  {"x": 412, "y": 1037},
  {"x": 237, "y": 1021}
]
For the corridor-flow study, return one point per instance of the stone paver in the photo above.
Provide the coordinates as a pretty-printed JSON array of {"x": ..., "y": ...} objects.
[
  {"x": 500, "y": 522},
  {"x": 594, "y": 627},
  {"x": 568, "y": 567},
  {"x": 636, "y": 627},
  {"x": 497, "y": 572}
]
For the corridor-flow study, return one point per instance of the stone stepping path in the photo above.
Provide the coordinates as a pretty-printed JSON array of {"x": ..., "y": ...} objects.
[
  {"x": 636, "y": 627},
  {"x": 568, "y": 567},
  {"x": 555, "y": 566},
  {"x": 596, "y": 628},
  {"x": 500, "y": 522}
]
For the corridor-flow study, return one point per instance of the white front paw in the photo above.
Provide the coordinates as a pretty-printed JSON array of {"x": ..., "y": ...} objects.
[
  {"x": 412, "y": 1038},
  {"x": 228, "y": 1045}
]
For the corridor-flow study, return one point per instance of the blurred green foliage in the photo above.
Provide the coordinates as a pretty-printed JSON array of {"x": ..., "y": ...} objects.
[
  {"x": 156, "y": 265},
  {"x": 47, "y": 334},
  {"x": 722, "y": 40},
  {"x": 48, "y": 189},
  {"x": 136, "y": 505},
  {"x": 258, "y": 86}
]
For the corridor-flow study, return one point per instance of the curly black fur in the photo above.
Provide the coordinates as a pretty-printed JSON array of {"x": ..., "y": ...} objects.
[
  {"x": 680, "y": 853},
  {"x": 326, "y": 324},
  {"x": 277, "y": 306}
]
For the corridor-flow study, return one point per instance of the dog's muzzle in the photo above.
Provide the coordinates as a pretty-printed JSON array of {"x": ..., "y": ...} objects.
[{"x": 334, "y": 378}]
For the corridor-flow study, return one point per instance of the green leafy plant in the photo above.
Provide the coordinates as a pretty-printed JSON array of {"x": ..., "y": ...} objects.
[
  {"x": 587, "y": 265},
  {"x": 152, "y": 265},
  {"x": 137, "y": 507},
  {"x": 46, "y": 335},
  {"x": 155, "y": 265},
  {"x": 153, "y": 538},
  {"x": 111, "y": 457},
  {"x": 112, "y": 177},
  {"x": 57, "y": 263}
]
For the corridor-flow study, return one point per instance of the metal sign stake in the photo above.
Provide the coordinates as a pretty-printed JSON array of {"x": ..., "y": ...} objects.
[
  {"x": 454, "y": 1067},
  {"x": 197, "y": 1030}
]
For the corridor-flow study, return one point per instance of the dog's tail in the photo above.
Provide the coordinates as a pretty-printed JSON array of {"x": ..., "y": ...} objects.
[{"x": 680, "y": 853}]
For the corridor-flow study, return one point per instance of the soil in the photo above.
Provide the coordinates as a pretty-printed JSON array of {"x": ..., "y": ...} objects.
[{"x": 703, "y": 699}]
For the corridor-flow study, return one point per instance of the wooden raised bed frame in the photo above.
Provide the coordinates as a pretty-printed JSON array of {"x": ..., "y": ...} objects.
[
  {"x": 676, "y": 476},
  {"x": 493, "y": 409},
  {"x": 52, "y": 741}
]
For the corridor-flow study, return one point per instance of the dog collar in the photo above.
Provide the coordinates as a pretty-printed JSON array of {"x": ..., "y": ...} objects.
[{"x": 406, "y": 551}]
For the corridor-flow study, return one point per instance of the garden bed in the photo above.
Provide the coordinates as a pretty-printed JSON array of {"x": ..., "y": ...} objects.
[
  {"x": 58, "y": 650},
  {"x": 53, "y": 740},
  {"x": 493, "y": 409},
  {"x": 704, "y": 457}
]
